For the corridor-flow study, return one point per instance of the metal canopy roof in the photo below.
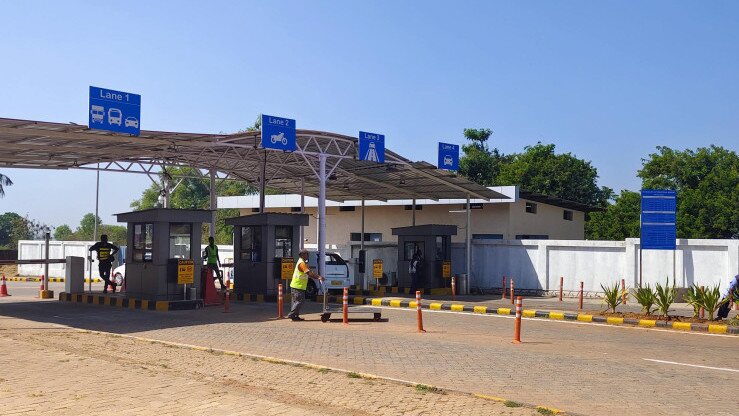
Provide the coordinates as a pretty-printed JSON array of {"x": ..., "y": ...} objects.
[{"x": 46, "y": 145}]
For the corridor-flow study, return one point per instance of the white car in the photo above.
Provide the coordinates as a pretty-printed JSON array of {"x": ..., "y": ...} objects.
[
  {"x": 115, "y": 116},
  {"x": 131, "y": 122},
  {"x": 448, "y": 161},
  {"x": 119, "y": 274},
  {"x": 337, "y": 273}
]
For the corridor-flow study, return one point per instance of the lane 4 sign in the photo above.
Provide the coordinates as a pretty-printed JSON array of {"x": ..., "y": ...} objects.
[{"x": 448, "y": 156}]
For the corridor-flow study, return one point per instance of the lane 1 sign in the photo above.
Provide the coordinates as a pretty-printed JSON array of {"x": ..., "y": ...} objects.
[
  {"x": 372, "y": 147},
  {"x": 658, "y": 219},
  {"x": 448, "y": 156},
  {"x": 278, "y": 133},
  {"x": 116, "y": 111}
]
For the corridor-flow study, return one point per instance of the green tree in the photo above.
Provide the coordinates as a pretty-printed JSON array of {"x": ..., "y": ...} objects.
[
  {"x": 86, "y": 229},
  {"x": 63, "y": 233},
  {"x": 619, "y": 221},
  {"x": 116, "y": 233},
  {"x": 4, "y": 181},
  {"x": 707, "y": 185},
  {"x": 478, "y": 163},
  {"x": 13, "y": 227}
]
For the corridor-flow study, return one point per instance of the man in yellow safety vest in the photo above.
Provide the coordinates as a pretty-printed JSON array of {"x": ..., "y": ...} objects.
[{"x": 299, "y": 284}]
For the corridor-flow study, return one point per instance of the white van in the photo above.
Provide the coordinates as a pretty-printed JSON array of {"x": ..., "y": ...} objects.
[{"x": 337, "y": 273}]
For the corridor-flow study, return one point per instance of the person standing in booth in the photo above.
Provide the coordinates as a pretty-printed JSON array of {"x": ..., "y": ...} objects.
[
  {"x": 106, "y": 254},
  {"x": 299, "y": 284}
]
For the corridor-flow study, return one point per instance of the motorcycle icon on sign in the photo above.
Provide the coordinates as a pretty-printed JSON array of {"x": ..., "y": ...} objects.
[{"x": 279, "y": 138}]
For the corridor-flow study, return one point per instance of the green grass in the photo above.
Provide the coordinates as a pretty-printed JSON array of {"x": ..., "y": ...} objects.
[
  {"x": 544, "y": 411},
  {"x": 511, "y": 403},
  {"x": 353, "y": 375},
  {"x": 423, "y": 388},
  {"x": 323, "y": 370}
]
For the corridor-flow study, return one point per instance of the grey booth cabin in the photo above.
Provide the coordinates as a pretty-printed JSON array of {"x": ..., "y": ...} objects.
[
  {"x": 156, "y": 239},
  {"x": 261, "y": 241},
  {"x": 434, "y": 241}
]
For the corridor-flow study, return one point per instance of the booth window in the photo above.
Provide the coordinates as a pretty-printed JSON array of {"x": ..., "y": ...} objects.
[
  {"x": 440, "y": 247},
  {"x": 251, "y": 243},
  {"x": 346, "y": 208},
  {"x": 531, "y": 208},
  {"x": 367, "y": 236},
  {"x": 567, "y": 215},
  {"x": 283, "y": 241},
  {"x": 410, "y": 207},
  {"x": 410, "y": 247},
  {"x": 180, "y": 241},
  {"x": 142, "y": 245}
]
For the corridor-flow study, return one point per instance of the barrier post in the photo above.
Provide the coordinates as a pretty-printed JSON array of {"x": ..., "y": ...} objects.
[
  {"x": 346, "y": 305},
  {"x": 280, "y": 300},
  {"x": 561, "y": 286},
  {"x": 418, "y": 311},
  {"x": 227, "y": 298},
  {"x": 517, "y": 332},
  {"x": 702, "y": 312},
  {"x": 512, "y": 298},
  {"x": 503, "y": 288},
  {"x": 624, "y": 294},
  {"x": 454, "y": 286},
  {"x": 582, "y": 285}
]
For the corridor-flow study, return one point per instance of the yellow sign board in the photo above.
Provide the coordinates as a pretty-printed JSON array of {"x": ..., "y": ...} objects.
[
  {"x": 377, "y": 268},
  {"x": 185, "y": 272},
  {"x": 287, "y": 268},
  {"x": 446, "y": 269}
]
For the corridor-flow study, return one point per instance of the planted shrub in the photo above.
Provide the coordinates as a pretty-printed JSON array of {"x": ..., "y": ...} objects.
[
  {"x": 613, "y": 296},
  {"x": 665, "y": 296},
  {"x": 693, "y": 298},
  {"x": 710, "y": 300},
  {"x": 646, "y": 298}
]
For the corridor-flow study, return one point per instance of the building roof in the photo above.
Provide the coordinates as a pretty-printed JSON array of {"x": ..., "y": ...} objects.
[{"x": 559, "y": 202}]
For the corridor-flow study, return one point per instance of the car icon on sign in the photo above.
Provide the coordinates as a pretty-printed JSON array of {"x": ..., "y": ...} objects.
[
  {"x": 279, "y": 138},
  {"x": 448, "y": 161},
  {"x": 131, "y": 122},
  {"x": 98, "y": 113},
  {"x": 114, "y": 116}
]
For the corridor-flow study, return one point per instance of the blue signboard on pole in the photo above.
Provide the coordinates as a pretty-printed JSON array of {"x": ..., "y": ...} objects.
[
  {"x": 448, "y": 156},
  {"x": 658, "y": 219},
  {"x": 372, "y": 147},
  {"x": 278, "y": 133},
  {"x": 115, "y": 111}
]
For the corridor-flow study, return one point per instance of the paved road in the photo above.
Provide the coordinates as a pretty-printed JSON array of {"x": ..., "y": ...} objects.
[{"x": 582, "y": 368}]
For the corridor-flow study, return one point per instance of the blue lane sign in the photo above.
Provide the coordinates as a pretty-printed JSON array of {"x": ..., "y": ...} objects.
[
  {"x": 278, "y": 133},
  {"x": 448, "y": 156},
  {"x": 115, "y": 111},
  {"x": 372, "y": 147},
  {"x": 658, "y": 219}
]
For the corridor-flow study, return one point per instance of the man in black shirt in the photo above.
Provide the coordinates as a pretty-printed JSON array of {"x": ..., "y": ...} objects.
[{"x": 106, "y": 254}]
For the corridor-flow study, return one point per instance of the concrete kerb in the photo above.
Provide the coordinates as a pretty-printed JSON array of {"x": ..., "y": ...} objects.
[
  {"x": 130, "y": 303},
  {"x": 275, "y": 360}
]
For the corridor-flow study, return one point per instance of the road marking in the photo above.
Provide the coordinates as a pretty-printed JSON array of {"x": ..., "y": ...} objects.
[{"x": 692, "y": 365}]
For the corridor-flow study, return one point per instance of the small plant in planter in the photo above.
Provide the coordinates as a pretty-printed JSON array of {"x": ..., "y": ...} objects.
[
  {"x": 665, "y": 296},
  {"x": 693, "y": 298},
  {"x": 613, "y": 296},
  {"x": 710, "y": 300},
  {"x": 646, "y": 298}
]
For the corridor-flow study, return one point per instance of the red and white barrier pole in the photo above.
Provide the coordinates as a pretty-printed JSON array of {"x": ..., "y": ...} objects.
[
  {"x": 582, "y": 285},
  {"x": 513, "y": 299},
  {"x": 503, "y": 288},
  {"x": 702, "y": 311},
  {"x": 418, "y": 312},
  {"x": 561, "y": 286},
  {"x": 624, "y": 295},
  {"x": 279, "y": 301},
  {"x": 346, "y": 305},
  {"x": 519, "y": 311},
  {"x": 454, "y": 286}
]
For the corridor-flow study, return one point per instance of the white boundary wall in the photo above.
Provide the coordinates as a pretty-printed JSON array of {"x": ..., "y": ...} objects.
[{"x": 538, "y": 264}]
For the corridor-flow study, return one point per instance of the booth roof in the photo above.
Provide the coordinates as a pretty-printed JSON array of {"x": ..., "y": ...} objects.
[
  {"x": 166, "y": 215},
  {"x": 47, "y": 145}
]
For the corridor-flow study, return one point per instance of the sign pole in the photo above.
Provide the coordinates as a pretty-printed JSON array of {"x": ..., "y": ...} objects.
[{"x": 365, "y": 284}]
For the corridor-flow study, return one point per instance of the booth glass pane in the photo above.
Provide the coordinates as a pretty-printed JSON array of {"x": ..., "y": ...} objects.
[
  {"x": 180, "y": 238},
  {"x": 410, "y": 248},
  {"x": 142, "y": 244},
  {"x": 440, "y": 247},
  {"x": 251, "y": 243},
  {"x": 283, "y": 241}
]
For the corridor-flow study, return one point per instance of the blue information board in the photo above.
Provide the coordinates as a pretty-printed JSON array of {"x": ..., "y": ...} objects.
[
  {"x": 448, "y": 156},
  {"x": 372, "y": 147},
  {"x": 658, "y": 219},
  {"x": 115, "y": 111},
  {"x": 278, "y": 133}
]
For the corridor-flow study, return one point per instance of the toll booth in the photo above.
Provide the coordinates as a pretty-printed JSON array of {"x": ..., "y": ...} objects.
[
  {"x": 163, "y": 256},
  {"x": 266, "y": 247},
  {"x": 435, "y": 243}
]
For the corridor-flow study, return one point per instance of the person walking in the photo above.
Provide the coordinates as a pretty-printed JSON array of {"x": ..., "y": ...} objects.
[
  {"x": 213, "y": 260},
  {"x": 414, "y": 269},
  {"x": 299, "y": 285},
  {"x": 106, "y": 254},
  {"x": 723, "y": 310}
]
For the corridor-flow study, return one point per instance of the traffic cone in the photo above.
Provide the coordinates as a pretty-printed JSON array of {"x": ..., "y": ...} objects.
[{"x": 3, "y": 289}]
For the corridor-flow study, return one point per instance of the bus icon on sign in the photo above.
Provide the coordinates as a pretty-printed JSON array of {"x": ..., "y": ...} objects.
[
  {"x": 114, "y": 116},
  {"x": 98, "y": 113}
]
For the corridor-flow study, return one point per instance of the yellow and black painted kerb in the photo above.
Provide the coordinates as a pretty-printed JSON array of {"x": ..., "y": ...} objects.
[
  {"x": 51, "y": 279},
  {"x": 130, "y": 303}
]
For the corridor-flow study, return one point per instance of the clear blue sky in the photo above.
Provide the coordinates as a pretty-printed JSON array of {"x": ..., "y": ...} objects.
[{"x": 607, "y": 81}]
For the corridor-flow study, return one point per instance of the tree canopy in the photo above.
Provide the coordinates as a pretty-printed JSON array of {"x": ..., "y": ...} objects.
[
  {"x": 14, "y": 227},
  {"x": 4, "y": 181}
]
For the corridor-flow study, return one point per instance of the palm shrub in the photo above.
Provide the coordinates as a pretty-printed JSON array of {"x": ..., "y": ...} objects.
[
  {"x": 646, "y": 298},
  {"x": 692, "y": 298},
  {"x": 613, "y": 296},
  {"x": 665, "y": 296},
  {"x": 710, "y": 300}
]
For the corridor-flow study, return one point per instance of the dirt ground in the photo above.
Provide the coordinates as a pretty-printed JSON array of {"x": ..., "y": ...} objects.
[{"x": 9, "y": 270}]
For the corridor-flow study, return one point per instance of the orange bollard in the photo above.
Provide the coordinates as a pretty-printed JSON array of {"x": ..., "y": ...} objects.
[
  {"x": 512, "y": 298},
  {"x": 624, "y": 294},
  {"x": 582, "y": 285},
  {"x": 4, "y": 289},
  {"x": 561, "y": 287},
  {"x": 702, "y": 311},
  {"x": 503, "y": 287},
  {"x": 279, "y": 301},
  {"x": 519, "y": 310},
  {"x": 454, "y": 286},
  {"x": 418, "y": 311},
  {"x": 346, "y": 306}
]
